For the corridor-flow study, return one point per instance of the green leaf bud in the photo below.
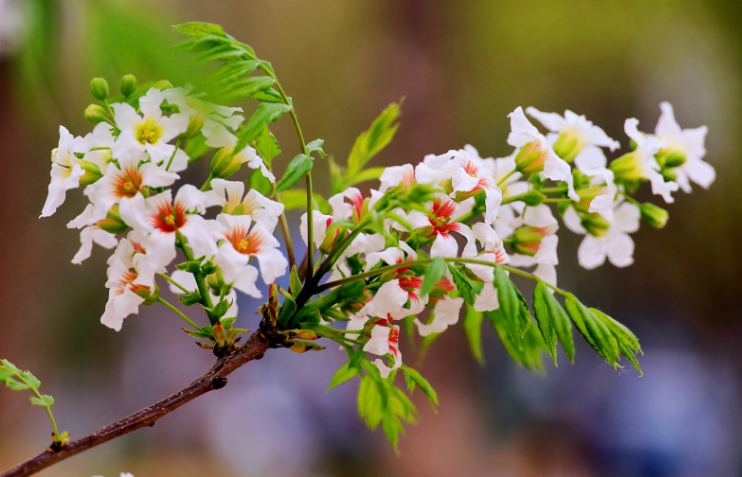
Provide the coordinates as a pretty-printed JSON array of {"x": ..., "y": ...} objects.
[
  {"x": 128, "y": 85},
  {"x": 162, "y": 85},
  {"x": 148, "y": 295},
  {"x": 629, "y": 167},
  {"x": 595, "y": 225},
  {"x": 113, "y": 223},
  {"x": 533, "y": 198},
  {"x": 654, "y": 215},
  {"x": 99, "y": 88},
  {"x": 531, "y": 158},
  {"x": 669, "y": 175},
  {"x": 567, "y": 147},
  {"x": 224, "y": 163},
  {"x": 95, "y": 113}
]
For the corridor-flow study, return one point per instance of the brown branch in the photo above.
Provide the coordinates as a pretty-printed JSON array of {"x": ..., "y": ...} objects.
[{"x": 254, "y": 348}]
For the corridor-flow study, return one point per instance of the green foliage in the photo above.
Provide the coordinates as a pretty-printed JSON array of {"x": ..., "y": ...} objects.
[
  {"x": 593, "y": 329},
  {"x": 342, "y": 375},
  {"x": 413, "y": 378},
  {"x": 259, "y": 182},
  {"x": 463, "y": 285},
  {"x": 473, "y": 327},
  {"x": 525, "y": 350},
  {"x": 297, "y": 168},
  {"x": 512, "y": 304},
  {"x": 435, "y": 272},
  {"x": 265, "y": 114}
]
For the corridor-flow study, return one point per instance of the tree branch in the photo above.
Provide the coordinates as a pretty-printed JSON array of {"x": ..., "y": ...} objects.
[{"x": 254, "y": 348}]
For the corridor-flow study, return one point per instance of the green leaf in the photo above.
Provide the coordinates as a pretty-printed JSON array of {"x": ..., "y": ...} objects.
[
  {"x": 45, "y": 401},
  {"x": 231, "y": 71},
  {"x": 16, "y": 385},
  {"x": 297, "y": 168},
  {"x": 473, "y": 327},
  {"x": 631, "y": 357},
  {"x": 542, "y": 310},
  {"x": 267, "y": 146},
  {"x": 337, "y": 183},
  {"x": 592, "y": 329},
  {"x": 269, "y": 95},
  {"x": 623, "y": 334},
  {"x": 463, "y": 285},
  {"x": 260, "y": 183},
  {"x": 316, "y": 146},
  {"x": 295, "y": 282},
  {"x": 223, "y": 52},
  {"x": 196, "y": 147},
  {"x": 199, "y": 29},
  {"x": 367, "y": 175},
  {"x": 435, "y": 272},
  {"x": 370, "y": 402},
  {"x": 370, "y": 142},
  {"x": 512, "y": 304},
  {"x": 246, "y": 87},
  {"x": 412, "y": 377},
  {"x": 265, "y": 114},
  {"x": 31, "y": 380},
  {"x": 287, "y": 311},
  {"x": 526, "y": 350},
  {"x": 342, "y": 375},
  {"x": 10, "y": 366}
]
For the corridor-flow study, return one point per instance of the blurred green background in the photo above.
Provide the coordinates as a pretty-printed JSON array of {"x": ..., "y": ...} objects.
[{"x": 462, "y": 66}]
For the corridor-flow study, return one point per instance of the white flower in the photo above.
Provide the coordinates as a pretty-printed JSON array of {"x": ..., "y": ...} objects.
[
  {"x": 689, "y": 142},
  {"x": 592, "y": 162},
  {"x": 384, "y": 340},
  {"x": 487, "y": 299},
  {"x": 90, "y": 233},
  {"x": 395, "y": 175},
  {"x": 229, "y": 194},
  {"x": 616, "y": 244},
  {"x": 66, "y": 171},
  {"x": 124, "y": 181},
  {"x": 526, "y": 137},
  {"x": 241, "y": 244},
  {"x": 571, "y": 133},
  {"x": 494, "y": 252},
  {"x": 130, "y": 279},
  {"x": 445, "y": 212},
  {"x": 320, "y": 222},
  {"x": 355, "y": 322},
  {"x": 446, "y": 314},
  {"x": 646, "y": 164},
  {"x": 151, "y": 132},
  {"x": 392, "y": 297},
  {"x": 188, "y": 281},
  {"x": 159, "y": 216},
  {"x": 477, "y": 174}
]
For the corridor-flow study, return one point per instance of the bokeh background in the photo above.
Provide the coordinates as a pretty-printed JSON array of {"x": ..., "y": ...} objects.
[{"x": 462, "y": 66}]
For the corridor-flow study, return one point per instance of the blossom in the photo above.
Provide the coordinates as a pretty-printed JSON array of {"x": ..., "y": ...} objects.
[
  {"x": 229, "y": 194},
  {"x": 66, "y": 171},
  {"x": 163, "y": 218},
  {"x": 690, "y": 144},
  {"x": 395, "y": 175},
  {"x": 244, "y": 242},
  {"x": 127, "y": 179},
  {"x": 226, "y": 162},
  {"x": 592, "y": 162},
  {"x": 355, "y": 322},
  {"x": 188, "y": 281},
  {"x": 150, "y": 132},
  {"x": 130, "y": 280},
  {"x": 534, "y": 153},
  {"x": 91, "y": 232},
  {"x": 446, "y": 314},
  {"x": 494, "y": 252},
  {"x": 614, "y": 243},
  {"x": 487, "y": 300},
  {"x": 441, "y": 221},
  {"x": 477, "y": 174},
  {"x": 384, "y": 340},
  {"x": 572, "y": 133}
]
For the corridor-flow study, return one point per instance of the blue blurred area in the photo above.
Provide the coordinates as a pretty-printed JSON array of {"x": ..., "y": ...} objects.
[{"x": 461, "y": 66}]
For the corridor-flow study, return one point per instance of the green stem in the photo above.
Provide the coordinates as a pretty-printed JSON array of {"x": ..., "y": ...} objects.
[
  {"x": 170, "y": 162},
  {"x": 287, "y": 237},
  {"x": 174, "y": 282},
  {"x": 48, "y": 408},
  {"x": 207, "y": 184},
  {"x": 556, "y": 201},
  {"x": 203, "y": 290},
  {"x": 553, "y": 190},
  {"x": 506, "y": 177},
  {"x": 178, "y": 312},
  {"x": 335, "y": 253}
]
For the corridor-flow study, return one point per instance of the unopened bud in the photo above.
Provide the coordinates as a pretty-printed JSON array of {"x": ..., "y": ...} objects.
[
  {"x": 595, "y": 225},
  {"x": 628, "y": 166},
  {"x": 219, "y": 335},
  {"x": 150, "y": 296},
  {"x": 329, "y": 240},
  {"x": 425, "y": 231},
  {"x": 113, "y": 224},
  {"x": 653, "y": 215},
  {"x": 162, "y": 85},
  {"x": 128, "y": 85},
  {"x": 669, "y": 175},
  {"x": 99, "y": 88},
  {"x": 527, "y": 240},
  {"x": 387, "y": 276},
  {"x": 302, "y": 346},
  {"x": 95, "y": 113},
  {"x": 567, "y": 147},
  {"x": 224, "y": 163},
  {"x": 531, "y": 158},
  {"x": 303, "y": 334},
  {"x": 92, "y": 173},
  {"x": 670, "y": 159},
  {"x": 533, "y": 198}
]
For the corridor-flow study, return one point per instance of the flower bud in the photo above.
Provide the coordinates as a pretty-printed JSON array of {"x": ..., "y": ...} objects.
[
  {"x": 224, "y": 163},
  {"x": 302, "y": 346},
  {"x": 425, "y": 231},
  {"x": 595, "y": 225},
  {"x": 387, "y": 276},
  {"x": 526, "y": 240},
  {"x": 567, "y": 147},
  {"x": 628, "y": 166},
  {"x": 219, "y": 335},
  {"x": 329, "y": 240},
  {"x": 532, "y": 198},
  {"x": 653, "y": 215},
  {"x": 95, "y": 113},
  {"x": 99, "y": 88},
  {"x": 162, "y": 85},
  {"x": 128, "y": 85},
  {"x": 668, "y": 158},
  {"x": 531, "y": 158},
  {"x": 113, "y": 224},
  {"x": 149, "y": 295},
  {"x": 669, "y": 175}
]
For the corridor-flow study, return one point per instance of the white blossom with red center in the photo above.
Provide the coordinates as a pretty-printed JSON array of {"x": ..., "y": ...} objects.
[
  {"x": 130, "y": 279},
  {"x": 242, "y": 242},
  {"x": 540, "y": 220},
  {"x": 91, "y": 233},
  {"x": 393, "y": 176},
  {"x": 151, "y": 132},
  {"x": 493, "y": 251},
  {"x": 443, "y": 213},
  {"x": 474, "y": 175},
  {"x": 445, "y": 314},
  {"x": 384, "y": 340},
  {"x": 127, "y": 179},
  {"x": 161, "y": 218},
  {"x": 229, "y": 195}
]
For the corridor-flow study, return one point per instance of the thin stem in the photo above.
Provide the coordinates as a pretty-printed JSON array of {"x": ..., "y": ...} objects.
[
  {"x": 556, "y": 201},
  {"x": 174, "y": 282},
  {"x": 330, "y": 261},
  {"x": 203, "y": 290},
  {"x": 178, "y": 312},
  {"x": 506, "y": 176},
  {"x": 286, "y": 236},
  {"x": 48, "y": 408},
  {"x": 170, "y": 162}
]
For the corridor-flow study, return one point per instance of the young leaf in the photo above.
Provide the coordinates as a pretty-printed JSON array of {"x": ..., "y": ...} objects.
[
  {"x": 245, "y": 87},
  {"x": 435, "y": 272},
  {"x": 463, "y": 285},
  {"x": 370, "y": 142},
  {"x": 473, "y": 327},
  {"x": 412, "y": 377},
  {"x": 342, "y": 375},
  {"x": 316, "y": 146},
  {"x": 543, "y": 312},
  {"x": 231, "y": 71},
  {"x": 631, "y": 357},
  {"x": 297, "y": 168},
  {"x": 196, "y": 147},
  {"x": 624, "y": 334},
  {"x": 512, "y": 304},
  {"x": 526, "y": 350},
  {"x": 265, "y": 114},
  {"x": 561, "y": 324},
  {"x": 199, "y": 29},
  {"x": 371, "y": 174},
  {"x": 45, "y": 401},
  {"x": 592, "y": 329},
  {"x": 260, "y": 183},
  {"x": 295, "y": 282},
  {"x": 267, "y": 146}
]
